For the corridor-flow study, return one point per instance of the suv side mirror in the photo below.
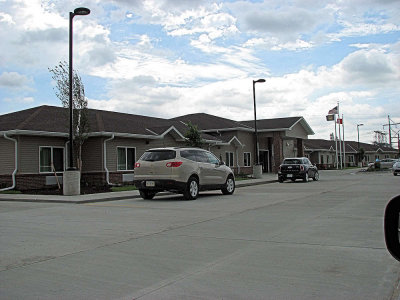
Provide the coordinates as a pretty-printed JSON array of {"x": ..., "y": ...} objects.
[
  {"x": 221, "y": 163},
  {"x": 391, "y": 225}
]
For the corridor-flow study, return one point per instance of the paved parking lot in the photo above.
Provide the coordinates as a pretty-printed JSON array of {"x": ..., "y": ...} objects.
[{"x": 321, "y": 240}]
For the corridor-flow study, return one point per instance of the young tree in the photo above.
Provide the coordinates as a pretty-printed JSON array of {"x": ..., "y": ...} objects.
[
  {"x": 80, "y": 125},
  {"x": 193, "y": 137}
]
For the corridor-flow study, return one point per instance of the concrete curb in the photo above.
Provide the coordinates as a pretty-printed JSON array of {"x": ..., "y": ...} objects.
[{"x": 100, "y": 197}]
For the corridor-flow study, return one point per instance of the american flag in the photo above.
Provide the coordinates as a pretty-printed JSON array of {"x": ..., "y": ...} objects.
[{"x": 333, "y": 111}]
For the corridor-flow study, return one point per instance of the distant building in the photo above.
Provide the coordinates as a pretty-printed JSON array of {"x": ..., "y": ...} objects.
[{"x": 323, "y": 153}]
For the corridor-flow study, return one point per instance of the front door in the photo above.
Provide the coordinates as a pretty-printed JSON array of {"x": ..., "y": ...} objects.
[{"x": 264, "y": 160}]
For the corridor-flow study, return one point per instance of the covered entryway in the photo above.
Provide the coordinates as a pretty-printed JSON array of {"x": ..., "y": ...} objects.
[{"x": 264, "y": 160}]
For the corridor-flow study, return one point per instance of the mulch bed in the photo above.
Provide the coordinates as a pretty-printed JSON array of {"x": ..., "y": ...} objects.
[{"x": 55, "y": 191}]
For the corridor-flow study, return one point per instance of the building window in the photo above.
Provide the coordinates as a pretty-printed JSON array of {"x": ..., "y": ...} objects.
[
  {"x": 387, "y": 156},
  {"x": 126, "y": 158},
  {"x": 229, "y": 159},
  {"x": 351, "y": 158},
  {"x": 50, "y": 159},
  {"x": 246, "y": 158},
  {"x": 322, "y": 159}
]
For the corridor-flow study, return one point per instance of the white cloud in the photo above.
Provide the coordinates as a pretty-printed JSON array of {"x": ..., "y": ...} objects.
[
  {"x": 275, "y": 45},
  {"x": 14, "y": 80},
  {"x": 24, "y": 100},
  {"x": 6, "y": 18}
]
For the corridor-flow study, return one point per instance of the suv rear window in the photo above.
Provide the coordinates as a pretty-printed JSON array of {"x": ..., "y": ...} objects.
[
  {"x": 292, "y": 162},
  {"x": 158, "y": 155}
]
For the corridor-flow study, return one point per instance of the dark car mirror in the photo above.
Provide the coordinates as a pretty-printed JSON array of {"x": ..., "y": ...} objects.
[
  {"x": 221, "y": 163},
  {"x": 391, "y": 225}
]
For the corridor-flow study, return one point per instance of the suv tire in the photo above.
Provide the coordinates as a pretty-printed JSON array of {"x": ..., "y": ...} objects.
[
  {"x": 306, "y": 178},
  {"x": 147, "y": 195},
  {"x": 229, "y": 186},
  {"x": 192, "y": 189},
  {"x": 316, "y": 176}
]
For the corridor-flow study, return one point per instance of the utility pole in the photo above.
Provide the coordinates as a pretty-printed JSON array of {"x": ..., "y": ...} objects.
[{"x": 392, "y": 131}]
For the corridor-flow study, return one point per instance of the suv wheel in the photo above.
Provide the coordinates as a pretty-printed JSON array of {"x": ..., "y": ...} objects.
[
  {"x": 147, "y": 194},
  {"x": 316, "y": 176},
  {"x": 192, "y": 189},
  {"x": 305, "y": 179},
  {"x": 229, "y": 186}
]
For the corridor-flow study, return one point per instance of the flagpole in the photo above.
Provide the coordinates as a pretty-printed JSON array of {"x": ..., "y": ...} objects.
[
  {"x": 344, "y": 148},
  {"x": 337, "y": 161},
  {"x": 340, "y": 140}
]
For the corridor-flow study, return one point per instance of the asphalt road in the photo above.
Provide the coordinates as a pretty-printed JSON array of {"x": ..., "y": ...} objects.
[{"x": 316, "y": 240}]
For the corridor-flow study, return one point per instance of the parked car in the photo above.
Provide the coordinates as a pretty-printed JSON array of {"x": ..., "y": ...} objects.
[
  {"x": 388, "y": 163},
  {"x": 181, "y": 170},
  {"x": 297, "y": 168},
  {"x": 396, "y": 168}
]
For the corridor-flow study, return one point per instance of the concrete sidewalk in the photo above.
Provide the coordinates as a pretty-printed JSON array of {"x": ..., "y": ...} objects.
[{"x": 112, "y": 196}]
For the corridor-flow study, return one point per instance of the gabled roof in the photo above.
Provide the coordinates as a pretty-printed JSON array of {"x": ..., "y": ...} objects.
[
  {"x": 52, "y": 120},
  {"x": 56, "y": 119},
  {"x": 41, "y": 118},
  {"x": 279, "y": 124},
  {"x": 206, "y": 122}
]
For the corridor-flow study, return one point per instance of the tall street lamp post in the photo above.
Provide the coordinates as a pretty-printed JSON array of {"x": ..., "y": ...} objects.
[
  {"x": 80, "y": 11},
  {"x": 72, "y": 177},
  {"x": 257, "y": 158},
  {"x": 358, "y": 143},
  {"x": 358, "y": 136}
]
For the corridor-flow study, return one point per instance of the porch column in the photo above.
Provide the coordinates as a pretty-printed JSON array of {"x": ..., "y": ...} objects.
[{"x": 278, "y": 151}]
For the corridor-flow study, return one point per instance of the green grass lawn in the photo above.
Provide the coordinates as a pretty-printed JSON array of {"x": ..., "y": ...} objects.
[
  {"x": 11, "y": 192},
  {"x": 242, "y": 177},
  {"x": 123, "y": 188}
]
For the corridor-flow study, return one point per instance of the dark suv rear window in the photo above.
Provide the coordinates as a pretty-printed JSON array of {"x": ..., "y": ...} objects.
[
  {"x": 292, "y": 162},
  {"x": 158, "y": 155}
]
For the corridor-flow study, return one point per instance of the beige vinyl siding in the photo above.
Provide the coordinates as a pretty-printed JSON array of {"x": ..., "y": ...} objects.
[
  {"x": 247, "y": 139},
  {"x": 141, "y": 146},
  {"x": 28, "y": 151},
  {"x": 167, "y": 141},
  {"x": 92, "y": 155},
  {"x": 297, "y": 131},
  {"x": 289, "y": 148},
  {"x": 7, "y": 158}
]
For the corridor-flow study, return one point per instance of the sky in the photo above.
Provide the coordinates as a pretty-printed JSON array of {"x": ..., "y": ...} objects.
[{"x": 166, "y": 58}]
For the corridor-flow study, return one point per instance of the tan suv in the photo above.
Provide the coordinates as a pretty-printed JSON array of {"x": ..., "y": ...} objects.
[{"x": 181, "y": 170}]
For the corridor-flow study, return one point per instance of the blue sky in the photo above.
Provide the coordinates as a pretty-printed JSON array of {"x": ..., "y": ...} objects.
[{"x": 165, "y": 58}]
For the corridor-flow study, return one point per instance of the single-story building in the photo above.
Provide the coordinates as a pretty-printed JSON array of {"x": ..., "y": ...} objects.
[
  {"x": 323, "y": 153},
  {"x": 34, "y": 143}
]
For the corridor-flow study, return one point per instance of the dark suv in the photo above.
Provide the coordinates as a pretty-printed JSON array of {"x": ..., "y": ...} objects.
[
  {"x": 181, "y": 170},
  {"x": 297, "y": 168}
]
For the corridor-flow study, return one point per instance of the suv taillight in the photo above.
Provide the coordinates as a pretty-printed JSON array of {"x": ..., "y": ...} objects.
[
  {"x": 301, "y": 168},
  {"x": 137, "y": 165},
  {"x": 174, "y": 164}
]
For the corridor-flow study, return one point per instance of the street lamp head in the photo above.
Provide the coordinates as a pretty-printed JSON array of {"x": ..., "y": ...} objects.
[
  {"x": 81, "y": 11},
  {"x": 360, "y": 124},
  {"x": 259, "y": 80}
]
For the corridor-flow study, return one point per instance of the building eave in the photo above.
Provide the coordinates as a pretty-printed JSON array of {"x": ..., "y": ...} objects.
[{"x": 34, "y": 133}]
